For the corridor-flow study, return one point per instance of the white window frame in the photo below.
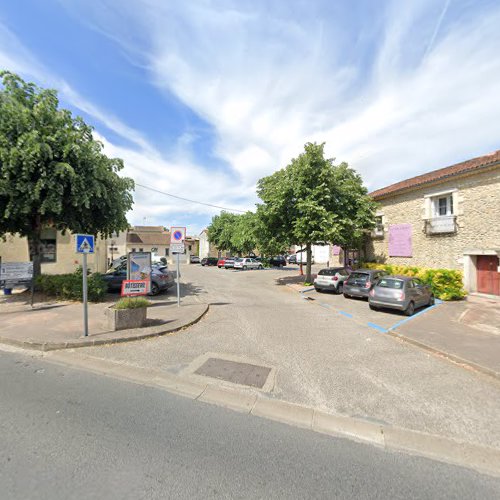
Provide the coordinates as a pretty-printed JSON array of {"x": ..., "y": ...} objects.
[{"x": 436, "y": 206}]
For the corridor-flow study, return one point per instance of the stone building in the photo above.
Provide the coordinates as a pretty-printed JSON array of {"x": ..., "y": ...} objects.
[
  {"x": 58, "y": 252},
  {"x": 448, "y": 218},
  {"x": 207, "y": 249}
]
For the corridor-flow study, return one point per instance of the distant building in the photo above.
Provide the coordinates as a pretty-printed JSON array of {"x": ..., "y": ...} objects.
[
  {"x": 448, "y": 218},
  {"x": 207, "y": 249}
]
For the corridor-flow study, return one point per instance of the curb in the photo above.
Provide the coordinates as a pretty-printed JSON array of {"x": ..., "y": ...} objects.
[
  {"x": 481, "y": 458},
  {"x": 72, "y": 344}
]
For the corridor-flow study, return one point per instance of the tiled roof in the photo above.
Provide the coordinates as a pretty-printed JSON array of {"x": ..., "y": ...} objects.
[
  {"x": 438, "y": 175},
  {"x": 147, "y": 238}
]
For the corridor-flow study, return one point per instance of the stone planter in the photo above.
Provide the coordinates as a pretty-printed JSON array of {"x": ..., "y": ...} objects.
[{"x": 123, "y": 319}]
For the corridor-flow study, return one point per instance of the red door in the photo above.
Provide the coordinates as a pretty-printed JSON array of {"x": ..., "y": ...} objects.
[{"x": 488, "y": 277}]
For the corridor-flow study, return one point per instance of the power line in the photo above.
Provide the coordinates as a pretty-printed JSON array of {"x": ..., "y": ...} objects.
[{"x": 187, "y": 199}]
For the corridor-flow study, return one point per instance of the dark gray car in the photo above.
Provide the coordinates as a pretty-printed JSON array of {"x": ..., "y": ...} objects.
[
  {"x": 400, "y": 292},
  {"x": 361, "y": 281}
]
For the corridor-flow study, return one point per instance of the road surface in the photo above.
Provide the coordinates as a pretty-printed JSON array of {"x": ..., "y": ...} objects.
[{"x": 68, "y": 434}]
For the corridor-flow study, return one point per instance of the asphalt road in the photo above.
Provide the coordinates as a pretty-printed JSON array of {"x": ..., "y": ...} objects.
[
  {"x": 69, "y": 434},
  {"x": 323, "y": 359}
]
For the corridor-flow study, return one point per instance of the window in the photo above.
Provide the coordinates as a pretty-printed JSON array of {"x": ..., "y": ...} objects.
[
  {"x": 48, "y": 251},
  {"x": 443, "y": 205},
  {"x": 167, "y": 252},
  {"x": 141, "y": 249}
]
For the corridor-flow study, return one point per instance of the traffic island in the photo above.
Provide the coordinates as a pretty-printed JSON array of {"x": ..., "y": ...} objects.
[{"x": 60, "y": 326}]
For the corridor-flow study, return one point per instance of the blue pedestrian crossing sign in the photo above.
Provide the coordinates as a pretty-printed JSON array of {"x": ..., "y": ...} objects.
[{"x": 84, "y": 243}]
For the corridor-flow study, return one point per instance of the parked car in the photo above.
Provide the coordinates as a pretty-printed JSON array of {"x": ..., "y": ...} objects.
[
  {"x": 301, "y": 258},
  {"x": 277, "y": 261},
  {"x": 221, "y": 262},
  {"x": 361, "y": 281},
  {"x": 247, "y": 263},
  {"x": 209, "y": 261},
  {"x": 331, "y": 279},
  {"x": 229, "y": 262},
  {"x": 194, "y": 259},
  {"x": 403, "y": 293},
  {"x": 161, "y": 279},
  {"x": 292, "y": 259}
]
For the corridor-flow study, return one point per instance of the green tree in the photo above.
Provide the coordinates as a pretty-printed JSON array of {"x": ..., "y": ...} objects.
[
  {"x": 312, "y": 201},
  {"x": 244, "y": 231},
  {"x": 221, "y": 231},
  {"x": 52, "y": 171}
]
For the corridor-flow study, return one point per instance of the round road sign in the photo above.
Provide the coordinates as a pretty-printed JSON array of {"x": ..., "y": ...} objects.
[{"x": 178, "y": 235}]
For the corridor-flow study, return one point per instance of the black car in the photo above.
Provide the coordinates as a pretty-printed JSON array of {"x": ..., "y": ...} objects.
[
  {"x": 277, "y": 261},
  {"x": 161, "y": 279},
  {"x": 209, "y": 261}
]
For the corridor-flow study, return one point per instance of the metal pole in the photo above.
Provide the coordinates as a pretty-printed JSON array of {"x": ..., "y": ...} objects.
[
  {"x": 178, "y": 283},
  {"x": 85, "y": 312}
]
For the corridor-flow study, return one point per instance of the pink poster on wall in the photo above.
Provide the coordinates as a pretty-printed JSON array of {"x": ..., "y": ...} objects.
[
  {"x": 400, "y": 244},
  {"x": 336, "y": 250}
]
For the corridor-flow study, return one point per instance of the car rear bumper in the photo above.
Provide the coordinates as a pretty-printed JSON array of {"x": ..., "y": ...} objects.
[
  {"x": 325, "y": 286},
  {"x": 356, "y": 291},
  {"x": 400, "y": 306}
]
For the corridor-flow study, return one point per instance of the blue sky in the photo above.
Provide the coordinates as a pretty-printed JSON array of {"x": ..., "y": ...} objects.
[{"x": 201, "y": 98}]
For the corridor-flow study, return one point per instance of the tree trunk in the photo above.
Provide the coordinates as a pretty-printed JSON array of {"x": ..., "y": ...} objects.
[
  {"x": 34, "y": 246},
  {"x": 308, "y": 265}
]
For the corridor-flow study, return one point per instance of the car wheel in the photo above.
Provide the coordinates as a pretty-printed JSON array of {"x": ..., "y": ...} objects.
[
  {"x": 260, "y": 266},
  {"x": 347, "y": 296},
  {"x": 155, "y": 289},
  {"x": 245, "y": 268},
  {"x": 373, "y": 308},
  {"x": 318, "y": 289},
  {"x": 340, "y": 288},
  {"x": 410, "y": 309},
  {"x": 432, "y": 300}
]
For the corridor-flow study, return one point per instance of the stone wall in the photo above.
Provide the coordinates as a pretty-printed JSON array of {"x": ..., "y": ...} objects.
[{"x": 476, "y": 200}]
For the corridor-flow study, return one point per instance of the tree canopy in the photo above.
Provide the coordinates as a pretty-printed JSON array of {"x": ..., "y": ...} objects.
[
  {"x": 312, "y": 201},
  {"x": 52, "y": 171}
]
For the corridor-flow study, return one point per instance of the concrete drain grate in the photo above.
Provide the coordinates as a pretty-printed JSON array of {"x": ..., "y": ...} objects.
[{"x": 237, "y": 373}]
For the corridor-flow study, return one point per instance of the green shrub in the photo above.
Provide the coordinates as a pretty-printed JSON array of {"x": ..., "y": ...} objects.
[
  {"x": 446, "y": 284},
  {"x": 132, "y": 303},
  {"x": 70, "y": 286}
]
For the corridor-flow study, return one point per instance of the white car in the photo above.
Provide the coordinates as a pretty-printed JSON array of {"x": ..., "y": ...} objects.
[{"x": 247, "y": 263}]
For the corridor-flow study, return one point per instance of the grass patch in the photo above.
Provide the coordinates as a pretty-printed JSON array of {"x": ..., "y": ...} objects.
[{"x": 132, "y": 303}]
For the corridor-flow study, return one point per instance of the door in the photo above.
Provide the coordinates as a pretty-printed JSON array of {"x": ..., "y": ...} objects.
[{"x": 488, "y": 277}]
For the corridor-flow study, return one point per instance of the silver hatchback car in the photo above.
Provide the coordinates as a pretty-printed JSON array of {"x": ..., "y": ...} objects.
[{"x": 400, "y": 292}]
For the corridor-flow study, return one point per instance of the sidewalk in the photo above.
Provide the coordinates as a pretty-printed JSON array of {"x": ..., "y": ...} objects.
[
  {"x": 59, "y": 325},
  {"x": 466, "y": 332}
]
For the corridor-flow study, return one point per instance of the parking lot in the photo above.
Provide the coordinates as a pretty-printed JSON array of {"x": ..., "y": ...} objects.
[{"x": 358, "y": 310}]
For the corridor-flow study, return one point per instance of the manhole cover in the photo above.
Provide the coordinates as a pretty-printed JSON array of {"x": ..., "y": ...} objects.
[{"x": 237, "y": 373}]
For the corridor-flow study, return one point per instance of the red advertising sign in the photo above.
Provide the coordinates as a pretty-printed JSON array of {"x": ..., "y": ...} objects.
[{"x": 133, "y": 288}]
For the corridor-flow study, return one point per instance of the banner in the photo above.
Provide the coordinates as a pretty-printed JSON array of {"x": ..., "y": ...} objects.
[
  {"x": 16, "y": 273},
  {"x": 139, "y": 267},
  {"x": 400, "y": 240},
  {"x": 133, "y": 288}
]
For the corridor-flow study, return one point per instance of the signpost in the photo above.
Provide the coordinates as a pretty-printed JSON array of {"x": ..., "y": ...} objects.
[
  {"x": 177, "y": 237},
  {"x": 85, "y": 245}
]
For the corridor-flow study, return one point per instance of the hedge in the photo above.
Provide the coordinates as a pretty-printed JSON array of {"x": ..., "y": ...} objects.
[
  {"x": 70, "y": 286},
  {"x": 446, "y": 284}
]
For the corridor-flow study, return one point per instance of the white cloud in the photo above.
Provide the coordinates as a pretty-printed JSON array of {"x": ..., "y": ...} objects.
[
  {"x": 270, "y": 80},
  {"x": 395, "y": 90}
]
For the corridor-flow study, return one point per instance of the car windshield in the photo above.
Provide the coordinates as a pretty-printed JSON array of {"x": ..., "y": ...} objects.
[
  {"x": 358, "y": 276},
  {"x": 390, "y": 283},
  {"x": 330, "y": 272},
  {"x": 238, "y": 260}
]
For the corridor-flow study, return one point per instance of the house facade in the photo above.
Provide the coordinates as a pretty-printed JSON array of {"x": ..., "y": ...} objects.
[
  {"x": 448, "y": 218},
  {"x": 58, "y": 252},
  {"x": 207, "y": 249}
]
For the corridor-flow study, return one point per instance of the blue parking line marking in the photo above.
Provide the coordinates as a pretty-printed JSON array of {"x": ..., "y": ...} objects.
[
  {"x": 308, "y": 290},
  {"x": 403, "y": 321},
  {"x": 348, "y": 315},
  {"x": 377, "y": 327}
]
